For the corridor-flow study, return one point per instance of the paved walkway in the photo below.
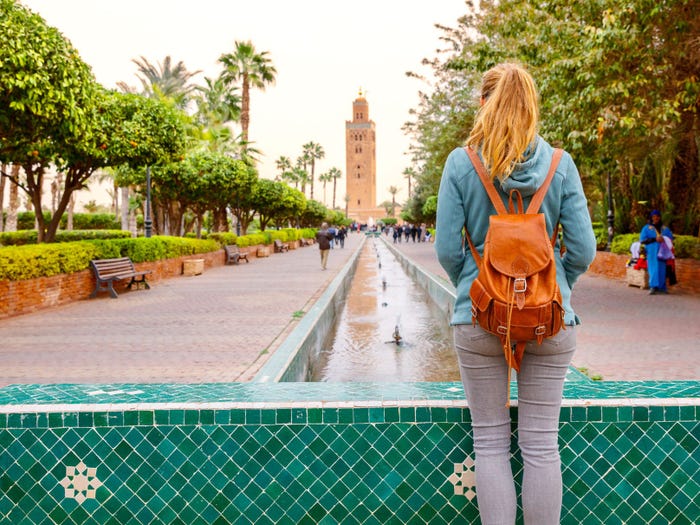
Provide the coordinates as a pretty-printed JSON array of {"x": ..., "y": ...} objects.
[{"x": 221, "y": 326}]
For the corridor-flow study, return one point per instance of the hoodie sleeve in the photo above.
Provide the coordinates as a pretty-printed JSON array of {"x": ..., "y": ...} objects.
[
  {"x": 450, "y": 220},
  {"x": 575, "y": 220}
]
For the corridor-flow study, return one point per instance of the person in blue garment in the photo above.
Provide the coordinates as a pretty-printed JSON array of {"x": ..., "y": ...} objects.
[{"x": 651, "y": 236}]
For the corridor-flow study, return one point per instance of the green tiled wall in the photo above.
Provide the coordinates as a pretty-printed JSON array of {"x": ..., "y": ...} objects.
[{"x": 406, "y": 460}]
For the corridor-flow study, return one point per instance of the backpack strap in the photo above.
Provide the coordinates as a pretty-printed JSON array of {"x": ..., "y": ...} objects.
[
  {"x": 539, "y": 195},
  {"x": 495, "y": 198},
  {"x": 486, "y": 181}
]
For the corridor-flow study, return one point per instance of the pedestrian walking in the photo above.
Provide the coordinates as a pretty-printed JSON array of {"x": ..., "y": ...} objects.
[{"x": 323, "y": 238}]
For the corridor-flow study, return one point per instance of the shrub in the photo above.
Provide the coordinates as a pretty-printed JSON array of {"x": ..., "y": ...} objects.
[
  {"x": 45, "y": 260},
  {"x": 308, "y": 233},
  {"x": 18, "y": 238},
  {"x": 223, "y": 238},
  {"x": 81, "y": 221},
  {"x": 22, "y": 237},
  {"x": 685, "y": 246}
]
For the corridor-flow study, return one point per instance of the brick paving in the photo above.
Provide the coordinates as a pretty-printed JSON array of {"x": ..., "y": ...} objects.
[
  {"x": 222, "y": 325},
  {"x": 219, "y": 326}
]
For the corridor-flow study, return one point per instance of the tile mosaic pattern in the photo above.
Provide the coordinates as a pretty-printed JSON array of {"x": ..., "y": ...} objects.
[{"x": 391, "y": 464}]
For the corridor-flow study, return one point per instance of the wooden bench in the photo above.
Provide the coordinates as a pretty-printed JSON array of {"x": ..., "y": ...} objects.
[
  {"x": 306, "y": 242},
  {"x": 280, "y": 247},
  {"x": 234, "y": 254},
  {"x": 107, "y": 271}
]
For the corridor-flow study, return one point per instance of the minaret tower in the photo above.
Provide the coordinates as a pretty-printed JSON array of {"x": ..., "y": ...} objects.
[{"x": 360, "y": 162}]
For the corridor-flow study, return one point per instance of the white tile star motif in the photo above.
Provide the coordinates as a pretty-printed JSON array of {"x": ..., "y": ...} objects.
[
  {"x": 464, "y": 479},
  {"x": 81, "y": 482}
]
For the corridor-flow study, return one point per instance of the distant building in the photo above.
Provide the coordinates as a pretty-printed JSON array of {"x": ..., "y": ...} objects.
[{"x": 361, "y": 164}]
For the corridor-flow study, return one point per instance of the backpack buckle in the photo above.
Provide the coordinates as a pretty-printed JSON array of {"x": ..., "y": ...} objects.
[
  {"x": 503, "y": 330},
  {"x": 540, "y": 330},
  {"x": 519, "y": 285}
]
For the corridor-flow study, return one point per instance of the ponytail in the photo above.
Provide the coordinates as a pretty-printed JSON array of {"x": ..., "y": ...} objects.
[{"x": 508, "y": 119}]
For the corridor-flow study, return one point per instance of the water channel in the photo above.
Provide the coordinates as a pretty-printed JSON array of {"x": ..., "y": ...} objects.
[{"x": 389, "y": 329}]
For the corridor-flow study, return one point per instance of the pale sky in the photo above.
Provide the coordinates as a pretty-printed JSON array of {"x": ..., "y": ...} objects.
[{"x": 323, "y": 50}]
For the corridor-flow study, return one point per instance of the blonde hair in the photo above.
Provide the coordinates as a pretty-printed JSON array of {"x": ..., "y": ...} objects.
[{"x": 508, "y": 119}]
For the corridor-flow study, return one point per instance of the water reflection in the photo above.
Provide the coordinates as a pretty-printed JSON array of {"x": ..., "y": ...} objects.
[{"x": 384, "y": 302}]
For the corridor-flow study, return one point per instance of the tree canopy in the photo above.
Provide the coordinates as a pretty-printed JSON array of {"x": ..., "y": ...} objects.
[{"x": 620, "y": 89}]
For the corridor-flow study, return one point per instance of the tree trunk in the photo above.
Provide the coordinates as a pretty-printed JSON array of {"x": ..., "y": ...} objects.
[
  {"x": 71, "y": 209},
  {"x": 245, "y": 110},
  {"x": 3, "y": 167},
  {"x": 200, "y": 220},
  {"x": 683, "y": 182},
  {"x": 133, "y": 226},
  {"x": 13, "y": 202},
  {"x": 313, "y": 168},
  {"x": 125, "y": 209},
  {"x": 334, "y": 187}
]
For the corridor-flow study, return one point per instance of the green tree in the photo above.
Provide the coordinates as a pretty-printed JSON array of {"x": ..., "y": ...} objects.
[
  {"x": 335, "y": 174},
  {"x": 393, "y": 190},
  {"x": 284, "y": 165},
  {"x": 300, "y": 173},
  {"x": 218, "y": 105},
  {"x": 47, "y": 106},
  {"x": 619, "y": 86},
  {"x": 314, "y": 214},
  {"x": 313, "y": 152},
  {"x": 164, "y": 80},
  {"x": 241, "y": 200},
  {"x": 325, "y": 178},
  {"x": 252, "y": 70},
  {"x": 292, "y": 207},
  {"x": 409, "y": 174},
  {"x": 145, "y": 132}
]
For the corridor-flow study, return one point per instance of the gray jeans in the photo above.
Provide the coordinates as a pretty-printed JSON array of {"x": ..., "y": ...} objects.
[{"x": 540, "y": 382}]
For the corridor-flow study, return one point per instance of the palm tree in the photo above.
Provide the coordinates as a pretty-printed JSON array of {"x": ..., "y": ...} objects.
[
  {"x": 252, "y": 69},
  {"x": 393, "y": 190},
  {"x": 301, "y": 173},
  {"x": 164, "y": 80},
  {"x": 335, "y": 173},
  {"x": 217, "y": 103},
  {"x": 409, "y": 173},
  {"x": 313, "y": 152},
  {"x": 325, "y": 178},
  {"x": 284, "y": 165}
]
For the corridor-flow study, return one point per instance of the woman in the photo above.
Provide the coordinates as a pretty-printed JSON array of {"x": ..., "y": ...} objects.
[
  {"x": 651, "y": 236},
  {"x": 505, "y": 137}
]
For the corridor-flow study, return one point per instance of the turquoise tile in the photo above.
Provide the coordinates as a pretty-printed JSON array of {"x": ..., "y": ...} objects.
[
  {"x": 407, "y": 414},
  {"x": 330, "y": 415},
  {"x": 176, "y": 417},
  {"x": 85, "y": 419},
  {"x": 264, "y": 417},
  {"x": 146, "y": 417}
]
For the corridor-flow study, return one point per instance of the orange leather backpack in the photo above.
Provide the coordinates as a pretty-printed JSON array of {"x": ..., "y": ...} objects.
[{"x": 515, "y": 295}]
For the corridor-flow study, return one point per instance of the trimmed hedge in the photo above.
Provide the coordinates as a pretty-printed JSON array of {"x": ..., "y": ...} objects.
[
  {"x": 81, "y": 221},
  {"x": 22, "y": 237},
  {"x": 685, "y": 246},
  {"x": 44, "y": 260}
]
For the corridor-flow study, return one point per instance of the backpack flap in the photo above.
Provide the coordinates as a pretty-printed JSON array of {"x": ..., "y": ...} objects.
[{"x": 522, "y": 250}]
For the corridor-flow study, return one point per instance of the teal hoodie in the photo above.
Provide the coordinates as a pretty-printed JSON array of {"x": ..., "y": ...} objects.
[{"x": 463, "y": 201}]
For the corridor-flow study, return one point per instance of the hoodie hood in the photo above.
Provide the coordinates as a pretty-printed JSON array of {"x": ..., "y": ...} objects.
[{"x": 529, "y": 175}]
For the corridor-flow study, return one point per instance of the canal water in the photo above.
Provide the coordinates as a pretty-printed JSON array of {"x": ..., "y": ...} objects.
[{"x": 389, "y": 329}]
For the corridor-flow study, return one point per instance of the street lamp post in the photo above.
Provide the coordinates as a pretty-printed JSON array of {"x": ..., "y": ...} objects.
[{"x": 147, "y": 222}]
